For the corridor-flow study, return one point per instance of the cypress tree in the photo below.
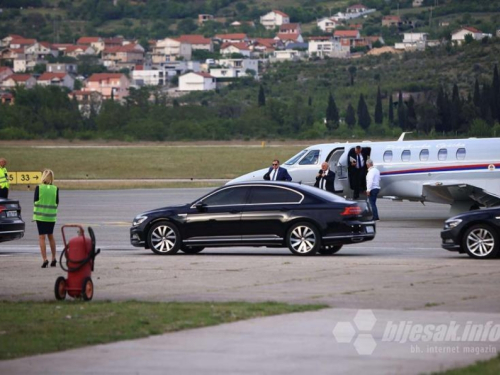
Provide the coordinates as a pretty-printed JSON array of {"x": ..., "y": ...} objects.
[
  {"x": 332, "y": 114},
  {"x": 455, "y": 109},
  {"x": 402, "y": 113},
  {"x": 440, "y": 104},
  {"x": 495, "y": 95},
  {"x": 262, "y": 97},
  {"x": 486, "y": 99},
  {"x": 350, "y": 117},
  {"x": 391, "y": 110},
  {"x": 364, "y": 118},
  {"x": 411, "y": 123},
  {"x": 379, "y": 115},
  {"x": 477, "y": 95}
]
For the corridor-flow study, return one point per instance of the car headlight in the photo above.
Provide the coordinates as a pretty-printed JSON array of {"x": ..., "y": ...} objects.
[
  {"x": 138, "y": 220},
  {"x": 449, "y": 224}
]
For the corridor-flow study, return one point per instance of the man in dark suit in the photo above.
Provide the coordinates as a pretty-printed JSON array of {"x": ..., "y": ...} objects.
[
  {"x": 357, "y": 171},
  {"x": 325, "y": 179},
  {"x": 277, "y": 173}
]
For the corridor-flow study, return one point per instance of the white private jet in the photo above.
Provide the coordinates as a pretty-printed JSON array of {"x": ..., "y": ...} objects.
[{"x": 464, "y": 173}]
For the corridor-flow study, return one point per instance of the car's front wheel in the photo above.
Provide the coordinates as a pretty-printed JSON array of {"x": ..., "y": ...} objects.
[
  {"x": 481, "y": 241},
  {"x": 164, "y": 238},
  {"x": 303, "y": 239},
  {"x": 329, "y": 249}
]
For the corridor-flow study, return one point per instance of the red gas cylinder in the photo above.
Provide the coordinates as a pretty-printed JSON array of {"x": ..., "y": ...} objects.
[{"x": 77, "y": 259}]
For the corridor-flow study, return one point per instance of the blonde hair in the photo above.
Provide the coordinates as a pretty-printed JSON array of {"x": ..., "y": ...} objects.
[{"x": 47, "y": 177}]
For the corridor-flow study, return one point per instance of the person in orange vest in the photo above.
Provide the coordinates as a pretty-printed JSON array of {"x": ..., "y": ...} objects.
[{"x": 45, "y": 215}]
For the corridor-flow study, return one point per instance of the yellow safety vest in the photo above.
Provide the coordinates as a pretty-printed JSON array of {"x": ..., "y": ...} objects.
[{"x": 45, "y": 208}]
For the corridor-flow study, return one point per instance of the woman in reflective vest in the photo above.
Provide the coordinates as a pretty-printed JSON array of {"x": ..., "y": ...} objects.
[
  {"x": 4, "y": 181},
  {"x": 45, "y": 215}
]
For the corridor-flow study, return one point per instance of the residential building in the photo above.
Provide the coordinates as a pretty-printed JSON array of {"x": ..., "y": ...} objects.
[
  {"x": 232, "y": 38},
  {"x": 413, "y": 41},
  {"x": 20, "y": 63},
  {"x": 62, "y": 68},
  {"x": 5, "y": 42},
  {"x": 198, "y": 42},
  {"x": 88, "y": 101},
  {"x": 6, "y": 98},
  {"x": 96, "y": 43},
  {"x": 458, "y": 36},
  {"x": 14, "y": 80},
  {"x": 109, "y": 85},
  {"x": 5, "y": 71},
  {"x": 56, "y": 79},
  {"x": 263, "y": 46},
  {"x": 327, "y": 47},
  {"x": 287, "y": 55},
  {"x": 289, "y": 38},
  {"x": 327, "y": 24},
  {"x": 114, "y": 42},
  {"x": 357, "y": 8},
  {"x": 127, "y": 54},
  {"x": 21, "y": 43},
  {"x": 75, "y": 51},
  {"x": 347, "y": 37},
  {"x": 388, "y": 21},
  {"x": 417, "y": 3},
  {"x": 202, "y": 18},
  {"x": 171, "y": 49},
  {"x": 40, "y": 51},
  {"x": 273, "y": 19},
  {"x": 148, "y": 77},
  {"x": 239, "y": 66},
  {"x": 239, "y": 48},
  {"x": 197, "y": 82}
]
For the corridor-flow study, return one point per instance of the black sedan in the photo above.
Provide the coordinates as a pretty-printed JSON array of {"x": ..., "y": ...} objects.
[
  {"x": 273, "y": 214},
  {"x": 11, "y": 223},
  {"x": 476, "y": 233}
]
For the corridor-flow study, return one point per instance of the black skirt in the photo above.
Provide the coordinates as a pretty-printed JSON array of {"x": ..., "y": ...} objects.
[{"x": 45, "y": 227}]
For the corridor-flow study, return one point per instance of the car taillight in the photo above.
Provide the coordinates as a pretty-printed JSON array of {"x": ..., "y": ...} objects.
[
  {"x": 351, "y": 211},
  {"x": 2, "y": 208}
]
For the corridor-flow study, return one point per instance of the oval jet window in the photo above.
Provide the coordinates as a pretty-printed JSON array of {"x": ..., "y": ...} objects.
[
  {"x": 388, "y": 156},
  {"x": 442, "y": 154},
  {"x": 461, "y": 154},
  {"x": 424, "y": 155},
  {"x": 405, "y": 156}
]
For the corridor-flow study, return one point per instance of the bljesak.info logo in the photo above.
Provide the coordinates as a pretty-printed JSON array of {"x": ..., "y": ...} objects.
[{"x": 445, "y": 338}]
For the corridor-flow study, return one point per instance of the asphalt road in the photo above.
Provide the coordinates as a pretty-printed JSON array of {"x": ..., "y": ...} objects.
[{"x": 402, "y": 274}]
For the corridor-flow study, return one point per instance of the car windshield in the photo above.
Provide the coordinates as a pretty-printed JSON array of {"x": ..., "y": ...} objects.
[{"x": 296, "y": 158}]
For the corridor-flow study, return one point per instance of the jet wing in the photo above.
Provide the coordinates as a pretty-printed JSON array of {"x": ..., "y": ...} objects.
[{"x": 450, "y": 192}]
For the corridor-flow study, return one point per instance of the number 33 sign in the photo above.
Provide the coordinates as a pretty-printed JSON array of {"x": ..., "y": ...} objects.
[{"x": 25, "y": 177}]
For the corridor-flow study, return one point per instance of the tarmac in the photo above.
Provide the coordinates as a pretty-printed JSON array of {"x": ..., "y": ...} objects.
[{"x": 403, "y": 277}]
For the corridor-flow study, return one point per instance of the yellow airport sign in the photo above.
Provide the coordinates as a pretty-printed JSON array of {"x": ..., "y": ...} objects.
[{"x": 25, "y": 177}]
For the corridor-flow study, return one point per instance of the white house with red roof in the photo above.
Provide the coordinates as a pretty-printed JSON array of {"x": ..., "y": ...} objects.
[
  {"x": 458, "y": 36},
  {"x": 75, "y": 51},
  {"x": 21, "y": 43},
  {"x": 274, "y": 18},
  {"x": 40, "y": 51},
  {"x": 14, "y": 80},
  {"x": 391, "y": 20},
  {"x": 57, "y": 79},
  {"x": 198, "y": 42},
  {"x": 197, "y": 82},
  {"x": 126, "y": 54},
  {"x": 239, "y": 48},
  {"x": 327, "y": 24},
  {"x": 347, "y": 37},
  {"x": 235, "y": 68},
  {"x": 97, "y": 43},
  {"x": 5, "y": 42},
  {"x": 263, "y": 46},
  {"x": 170, "y": 49},
  {"x": 232, "y": 38},
  {"x": 109, "y": 85}
]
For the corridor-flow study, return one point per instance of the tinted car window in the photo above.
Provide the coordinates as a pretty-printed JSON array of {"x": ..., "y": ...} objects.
[
  {"x": 311, "y": 158},
  {"x": 270, "y": 194},
  {"x": 229, "y": 196}
]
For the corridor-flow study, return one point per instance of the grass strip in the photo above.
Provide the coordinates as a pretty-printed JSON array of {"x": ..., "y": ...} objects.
[
  {"x": 489, "y": 367},
  {"x": 29, "y": 328}
]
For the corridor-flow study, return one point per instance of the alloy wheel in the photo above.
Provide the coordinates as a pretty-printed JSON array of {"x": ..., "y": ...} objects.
[
  {"x": 303, "y": 239},
  {"x": 163, "y": 238}
]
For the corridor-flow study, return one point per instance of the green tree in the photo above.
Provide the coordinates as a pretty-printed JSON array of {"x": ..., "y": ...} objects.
[
  {"x": 364, "y": 118},
  {"x": 350, "y": 116},
  {"x": 379, "y": 115},
  {"x": 412, "y": 115},
  {"x": 352, "y": 72},
  {"x": 391, "y": 110},
  {"x": 495, "y": 94},
  {"x": 332, "y": 114},
  {"x": 262, "y": 97},
  {"x": 402, "y": 113}
]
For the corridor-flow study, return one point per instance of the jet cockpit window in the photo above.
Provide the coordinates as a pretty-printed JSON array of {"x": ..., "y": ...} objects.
[
  {"x": 424, "y": 155},
  {"x": 442, "y": 154},
  {"x": 461, "y": 154},
  {"x": 296, "y": 158},
  {"x": 311, "y": 158},
  {"x": 406, "y": 155},
  {"x": 388, "y": 156}
]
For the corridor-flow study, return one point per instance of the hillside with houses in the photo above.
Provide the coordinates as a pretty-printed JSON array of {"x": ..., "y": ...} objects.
[{"x": 241, "y": 56}]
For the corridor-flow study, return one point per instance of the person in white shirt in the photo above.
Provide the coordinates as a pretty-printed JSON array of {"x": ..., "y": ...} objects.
[{"x": 373, "y": 187}]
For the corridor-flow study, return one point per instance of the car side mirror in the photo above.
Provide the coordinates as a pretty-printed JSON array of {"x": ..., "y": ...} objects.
[{"x": 200, "y": 206}]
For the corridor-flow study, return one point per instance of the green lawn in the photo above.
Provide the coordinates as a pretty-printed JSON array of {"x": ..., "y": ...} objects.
[
  {"x": 145, "y": 162},
  {"x": 29, "y": 328},
  {"x": 491, "y": 367}
]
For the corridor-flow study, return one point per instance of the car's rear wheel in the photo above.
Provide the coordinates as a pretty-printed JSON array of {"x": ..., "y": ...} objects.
[
  {"x": 164, "y": 238},
  {"x": 303, "y": 239},
  {"x": 191, "y": 249},
  {"x": 329, "y": 249},
  {"x": 481, "y": 242}
]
